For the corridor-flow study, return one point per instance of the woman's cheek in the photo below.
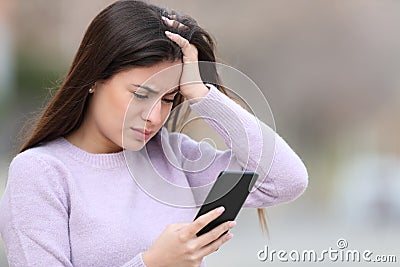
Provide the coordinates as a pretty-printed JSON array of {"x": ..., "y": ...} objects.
[
  {"x": 111, "y": 115},
  {"x": 166, "y": 113},
  {"x": 119, "y": 116}
]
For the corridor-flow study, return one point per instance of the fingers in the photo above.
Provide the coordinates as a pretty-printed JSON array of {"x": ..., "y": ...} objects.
[
  {"x": 214, "y": 245},
  {"x": 190, "y": 53},
  {"x": 200, "y": 222},
  {"x": 215, "y": 233},
  {"x": 178, "y": 226},
  {"x": 182, "y": 42},
  {"x": 189, "y": 50},
  {"x": 174, "y": 23}
]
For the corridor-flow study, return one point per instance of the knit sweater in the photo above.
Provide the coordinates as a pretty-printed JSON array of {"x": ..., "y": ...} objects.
[{"x": 63, "y": 206}]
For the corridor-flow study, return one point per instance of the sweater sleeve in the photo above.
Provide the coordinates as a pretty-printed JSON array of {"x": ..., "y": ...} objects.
[
  {"x": 34, "y": 214},
  {"x": 252, "y": 146},
  {"x": 137, "y": 261}
]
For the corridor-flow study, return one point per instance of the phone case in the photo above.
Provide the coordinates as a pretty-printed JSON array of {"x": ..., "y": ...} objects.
[{"x": 229, "y": 190}]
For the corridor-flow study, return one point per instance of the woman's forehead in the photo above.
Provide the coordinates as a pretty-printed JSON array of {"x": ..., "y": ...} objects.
[{"x": 160, "y": 77}]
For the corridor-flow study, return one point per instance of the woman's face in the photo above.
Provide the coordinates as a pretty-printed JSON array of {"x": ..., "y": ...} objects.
[{"x": 129, "y": 108}]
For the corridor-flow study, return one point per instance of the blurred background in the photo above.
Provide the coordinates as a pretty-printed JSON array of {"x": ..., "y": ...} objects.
[{"x": 330, "y": 71}]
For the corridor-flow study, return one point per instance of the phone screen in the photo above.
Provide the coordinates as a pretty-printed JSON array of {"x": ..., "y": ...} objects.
[{"x": 229, "y": 190}]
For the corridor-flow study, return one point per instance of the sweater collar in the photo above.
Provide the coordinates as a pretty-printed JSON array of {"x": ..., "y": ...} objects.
[{"x": 102, "y": 160}]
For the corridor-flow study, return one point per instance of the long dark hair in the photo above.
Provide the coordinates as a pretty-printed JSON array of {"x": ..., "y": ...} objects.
[{"x": 127, "y": 33}]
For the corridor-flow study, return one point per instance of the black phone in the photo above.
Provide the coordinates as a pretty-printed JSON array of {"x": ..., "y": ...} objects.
[{"x": 229, "y": 190}]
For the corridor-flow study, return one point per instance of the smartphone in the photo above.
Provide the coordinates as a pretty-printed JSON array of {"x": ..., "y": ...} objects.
[{"x": 229, "y": 190}]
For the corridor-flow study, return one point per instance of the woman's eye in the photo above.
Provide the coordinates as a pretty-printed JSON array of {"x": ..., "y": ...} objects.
[
  {"x": 169, "y": 101},
  {"x": 140, "y": 96}
]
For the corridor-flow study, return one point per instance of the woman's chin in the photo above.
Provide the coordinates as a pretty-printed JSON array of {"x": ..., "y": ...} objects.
[{"x": 133, "y": 145}]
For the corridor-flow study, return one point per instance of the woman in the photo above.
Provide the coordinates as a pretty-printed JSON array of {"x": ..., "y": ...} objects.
[{"x": 70, "y": 199}]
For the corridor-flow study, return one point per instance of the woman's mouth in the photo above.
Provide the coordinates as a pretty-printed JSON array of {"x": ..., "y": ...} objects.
[{"x": 142, "y": 133}]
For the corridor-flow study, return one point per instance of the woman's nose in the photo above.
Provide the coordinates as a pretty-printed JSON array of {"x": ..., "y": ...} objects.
[{"x": 153, "y": 115}]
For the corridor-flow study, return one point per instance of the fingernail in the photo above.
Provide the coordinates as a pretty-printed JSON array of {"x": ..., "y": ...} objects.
[
  {"x": 229, "y": 236},
  {"x": 232, "y": 224},
  {"x": 220, "y": 210},
  {"x": 168, "y": 32},
  {"x": 163, "y": 18}
]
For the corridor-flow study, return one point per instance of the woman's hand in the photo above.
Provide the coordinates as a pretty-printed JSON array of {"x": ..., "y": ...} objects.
[
  {"x": 179, "y": 246},
  {"x": 191, "y": 85}
]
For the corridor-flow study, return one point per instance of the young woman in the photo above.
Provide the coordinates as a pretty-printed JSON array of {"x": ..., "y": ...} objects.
[{"x": 70, "y": 198}]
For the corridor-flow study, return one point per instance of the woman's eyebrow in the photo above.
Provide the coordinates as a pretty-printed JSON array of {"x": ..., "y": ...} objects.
[
  {"x": 154, "y": 91},
  {"x": 146, "y": 88}
]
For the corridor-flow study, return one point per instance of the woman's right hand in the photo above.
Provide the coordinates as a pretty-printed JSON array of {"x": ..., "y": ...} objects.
[{"x": 179, "y": 246}]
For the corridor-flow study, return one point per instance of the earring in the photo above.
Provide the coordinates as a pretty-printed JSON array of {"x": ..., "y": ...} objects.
[{"x": 91, "y": 90}]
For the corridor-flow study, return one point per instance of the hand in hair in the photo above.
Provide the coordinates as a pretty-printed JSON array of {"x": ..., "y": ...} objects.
[{"x": 191, "y": 85}]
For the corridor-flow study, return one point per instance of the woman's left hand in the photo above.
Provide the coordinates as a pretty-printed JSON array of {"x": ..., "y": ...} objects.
[{"x": 191, "y": 85}]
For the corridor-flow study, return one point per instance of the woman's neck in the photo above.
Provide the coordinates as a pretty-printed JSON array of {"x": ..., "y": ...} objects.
[{"x": 88, "y": 138}]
